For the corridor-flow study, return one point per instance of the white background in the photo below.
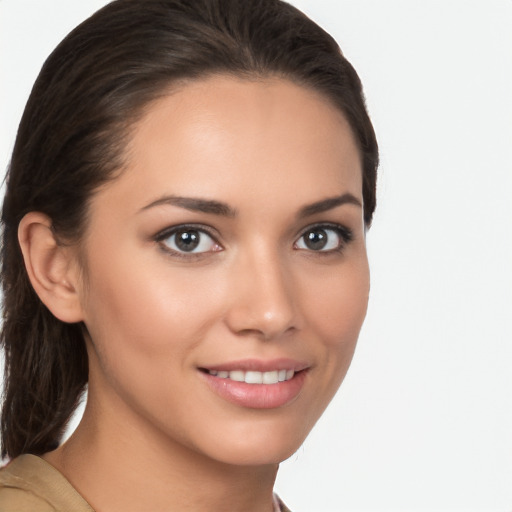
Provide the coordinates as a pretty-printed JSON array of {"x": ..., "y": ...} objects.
[{"x": 424, "y": 419}]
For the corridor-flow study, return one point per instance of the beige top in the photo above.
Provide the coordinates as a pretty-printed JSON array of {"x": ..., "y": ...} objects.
[{"x": 30, "y": 484}]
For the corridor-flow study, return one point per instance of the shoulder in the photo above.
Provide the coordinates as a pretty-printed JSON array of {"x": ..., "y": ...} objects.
[
  {"x": 13, "y": 499},
  {"x": 30, "y": 484},
  {"x": 16, "y": 494}
]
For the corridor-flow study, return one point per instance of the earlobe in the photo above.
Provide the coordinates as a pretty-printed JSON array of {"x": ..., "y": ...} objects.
[{"x": 51, "y": 267}]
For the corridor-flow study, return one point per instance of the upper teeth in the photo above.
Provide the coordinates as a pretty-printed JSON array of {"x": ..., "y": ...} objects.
[{"x": 252, "y": 377}]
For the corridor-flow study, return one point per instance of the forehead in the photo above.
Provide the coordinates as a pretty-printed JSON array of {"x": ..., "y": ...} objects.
[{"x": 231, "y": 139}]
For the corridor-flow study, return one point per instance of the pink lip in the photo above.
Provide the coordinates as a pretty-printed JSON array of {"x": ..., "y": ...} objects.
[{"x": 258, "y": 396}]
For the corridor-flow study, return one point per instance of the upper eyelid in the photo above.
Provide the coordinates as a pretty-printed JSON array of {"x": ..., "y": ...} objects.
[
  {"x": 326, "y": 225},
  {"x": 167, "y": 232},
  {"x": 170, "y": 231}
]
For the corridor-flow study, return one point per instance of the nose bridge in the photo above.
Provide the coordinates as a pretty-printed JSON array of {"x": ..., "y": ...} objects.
[{"x": 263, "y": 301}]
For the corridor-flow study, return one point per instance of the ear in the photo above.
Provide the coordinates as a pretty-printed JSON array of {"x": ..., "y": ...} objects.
[{"x": 51, "y": 267}]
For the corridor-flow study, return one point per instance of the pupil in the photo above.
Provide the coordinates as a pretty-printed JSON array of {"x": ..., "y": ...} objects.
[
  {"x": 316, "y": 240},
  {"x": 187, "y": 240}
]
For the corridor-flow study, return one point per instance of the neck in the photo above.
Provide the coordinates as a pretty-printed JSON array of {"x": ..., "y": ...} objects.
[{"x": 121, "y": 464}]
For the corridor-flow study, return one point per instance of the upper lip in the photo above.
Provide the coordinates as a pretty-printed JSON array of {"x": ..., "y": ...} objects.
[{"x": 259, "y": 365}]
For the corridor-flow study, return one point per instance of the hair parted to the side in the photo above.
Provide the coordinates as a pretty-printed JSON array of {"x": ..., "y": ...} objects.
[{"x": 90, "y": 91}]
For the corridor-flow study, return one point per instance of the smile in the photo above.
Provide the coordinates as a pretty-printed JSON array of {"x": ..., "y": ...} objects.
[
  {"x": 254, "y": 377},
  {"x": 257, "y": 384}
]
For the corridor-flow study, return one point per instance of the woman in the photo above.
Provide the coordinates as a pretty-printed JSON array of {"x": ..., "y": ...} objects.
[{"x": 184, "y": 233}]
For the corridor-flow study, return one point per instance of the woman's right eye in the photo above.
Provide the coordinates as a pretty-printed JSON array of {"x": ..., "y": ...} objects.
[{"x": 187, "y": 240}]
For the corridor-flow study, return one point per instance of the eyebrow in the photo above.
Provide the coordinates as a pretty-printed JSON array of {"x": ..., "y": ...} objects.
[
  {"x": 328, "y": 204},
  {"x": 218, "y": 208},
  {"x": 195, "y": 205}
]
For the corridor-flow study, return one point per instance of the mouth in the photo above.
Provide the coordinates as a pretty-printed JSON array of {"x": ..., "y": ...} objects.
[
  {"x": 256, "y": 384},
  {"x": 254, "y": 377}
]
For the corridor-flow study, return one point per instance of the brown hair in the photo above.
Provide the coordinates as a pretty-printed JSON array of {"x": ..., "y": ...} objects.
[{"x": 92, "y": 88}]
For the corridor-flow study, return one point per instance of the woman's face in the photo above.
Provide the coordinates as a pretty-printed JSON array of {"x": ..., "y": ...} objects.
[{"x": 232, "y": 248}]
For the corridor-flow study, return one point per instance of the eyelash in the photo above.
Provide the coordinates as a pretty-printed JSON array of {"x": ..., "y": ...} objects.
[
  {"x": 345, "y": 237},
  {"x": 169, "y": 232}
]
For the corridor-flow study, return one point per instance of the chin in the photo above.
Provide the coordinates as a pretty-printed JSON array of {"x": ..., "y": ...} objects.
[
  {"x": 258, "y": 443},
  {"x": 257, "y": 453}
]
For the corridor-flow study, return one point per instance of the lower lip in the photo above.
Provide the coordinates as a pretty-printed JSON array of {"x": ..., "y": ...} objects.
[{"x": 257, "y": 396}]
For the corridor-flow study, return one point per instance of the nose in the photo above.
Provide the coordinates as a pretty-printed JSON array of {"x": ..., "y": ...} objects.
[{"x": 262, "y": 302}]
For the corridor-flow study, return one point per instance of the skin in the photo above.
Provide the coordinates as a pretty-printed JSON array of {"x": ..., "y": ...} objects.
[{"x": 154, "y": 436}]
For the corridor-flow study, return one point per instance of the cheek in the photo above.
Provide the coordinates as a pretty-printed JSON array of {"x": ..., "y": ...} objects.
[
  {"x": 146, "y": 320},
  {"x": 338, "y": 308},
  {"x": 335, "y": 314},
  {"x": 144, "y": 306}
]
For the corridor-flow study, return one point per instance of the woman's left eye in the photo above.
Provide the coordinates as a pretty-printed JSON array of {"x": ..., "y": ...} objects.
[
  {"x": 324, "y": 239},
  {"x": 189, "y": 241}
]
